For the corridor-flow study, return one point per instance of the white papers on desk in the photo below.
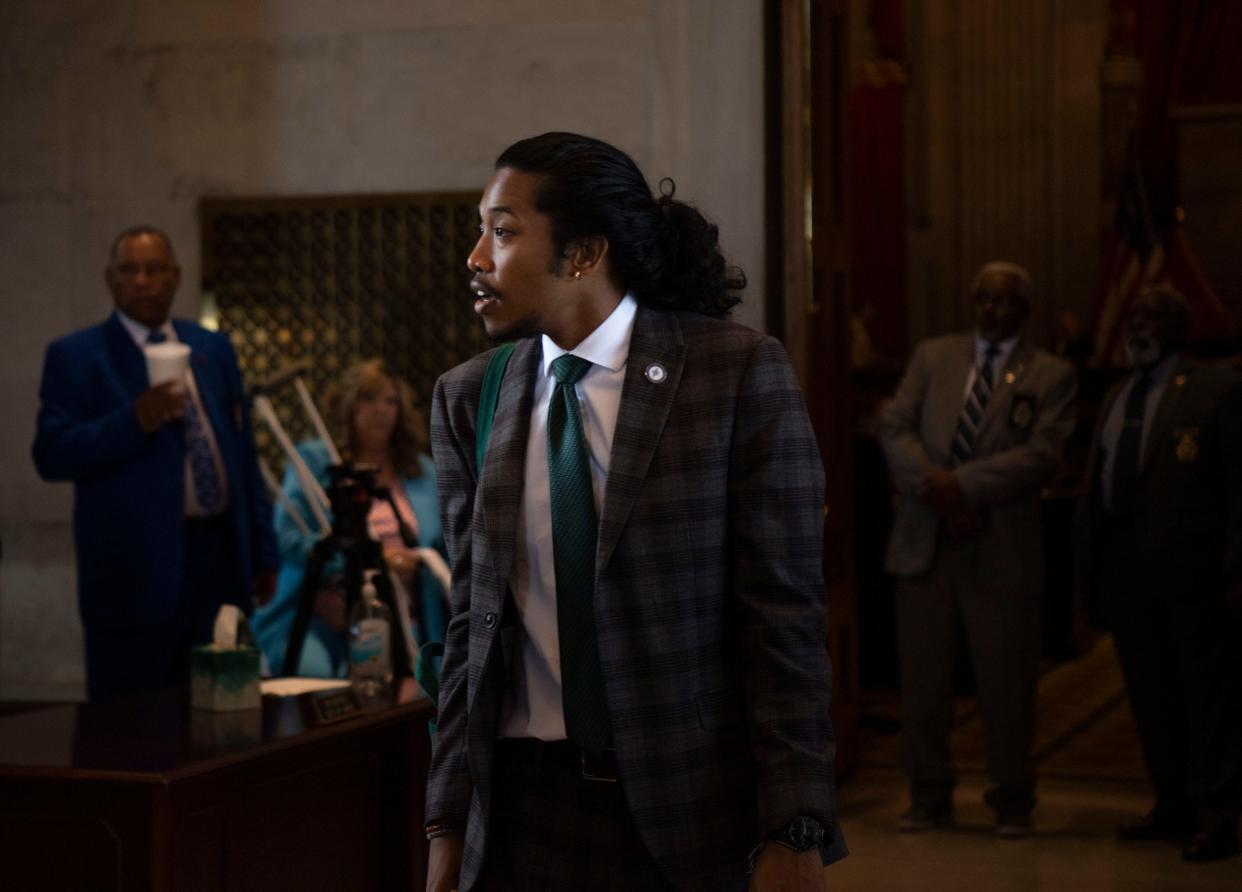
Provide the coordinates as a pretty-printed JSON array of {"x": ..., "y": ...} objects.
[{"x": 291, "y": 687}]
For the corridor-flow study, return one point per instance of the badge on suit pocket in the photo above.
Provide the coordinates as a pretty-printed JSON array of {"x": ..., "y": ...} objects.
[
  {"x": 1187, "y": 448},
  {"x": 1022, "y": 412}
]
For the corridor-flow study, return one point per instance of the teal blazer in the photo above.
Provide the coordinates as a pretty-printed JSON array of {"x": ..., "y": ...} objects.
[{"x": 325, "y": 653}]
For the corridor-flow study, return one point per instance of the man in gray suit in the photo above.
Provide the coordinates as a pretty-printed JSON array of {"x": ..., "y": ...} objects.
[
  {"x": 976, "y": 427},
  {"x": 1160, "y": 536},
  {"x": 638, "y": 702}
]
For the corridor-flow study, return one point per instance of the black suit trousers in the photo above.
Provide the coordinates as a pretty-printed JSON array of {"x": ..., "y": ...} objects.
[{"x": 1179, "y": 653}]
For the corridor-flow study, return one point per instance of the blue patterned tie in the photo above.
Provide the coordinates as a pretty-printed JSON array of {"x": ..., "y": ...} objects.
[
  {"x": 573, "y": 550},
  {"x": 206, "y": 477},
  {"x": 972, "y": 411}
]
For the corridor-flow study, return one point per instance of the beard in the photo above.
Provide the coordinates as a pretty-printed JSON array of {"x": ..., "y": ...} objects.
[
  {"x": 1143, "y": 350},
  {"x": 527, "y": 326}
]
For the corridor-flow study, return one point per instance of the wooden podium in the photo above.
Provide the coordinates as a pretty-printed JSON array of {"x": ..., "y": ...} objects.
[{"x": 146, "y": 793}]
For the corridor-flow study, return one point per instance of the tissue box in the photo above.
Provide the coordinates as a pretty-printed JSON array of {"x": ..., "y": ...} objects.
[
  {"x": 213, "y": 733},
  {"x": 224, "y": 678}
]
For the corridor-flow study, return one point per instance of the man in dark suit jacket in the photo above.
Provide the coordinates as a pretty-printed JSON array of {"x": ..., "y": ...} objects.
[
  {"x": 975, "y": 429},
  {"x": 706, "y": 616},
  {"x": 170, "y": 517},
  {"x": 1160, "y": 536}
]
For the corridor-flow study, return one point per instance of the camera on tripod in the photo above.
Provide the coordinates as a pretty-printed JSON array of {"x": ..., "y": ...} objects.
[
  {"x": 340, "y": 511},
  {"x": 351, "y": 489}
]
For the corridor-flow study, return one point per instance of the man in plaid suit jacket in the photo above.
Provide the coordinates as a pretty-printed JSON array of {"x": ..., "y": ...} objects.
[{"x": 709, "y": 603}]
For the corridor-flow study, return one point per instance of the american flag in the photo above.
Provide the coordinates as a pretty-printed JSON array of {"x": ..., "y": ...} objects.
[{"x": 1137, "y": 254}]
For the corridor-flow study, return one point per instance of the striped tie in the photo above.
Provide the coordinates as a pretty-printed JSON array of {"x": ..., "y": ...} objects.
[{"x": 972, "y": 411}]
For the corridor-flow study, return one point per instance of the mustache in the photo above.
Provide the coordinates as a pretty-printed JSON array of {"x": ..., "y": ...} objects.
[{"x": 478, "y": 284}]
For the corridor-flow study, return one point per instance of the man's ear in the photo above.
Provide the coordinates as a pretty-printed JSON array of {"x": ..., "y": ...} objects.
[{"x": 586, "y": 255}]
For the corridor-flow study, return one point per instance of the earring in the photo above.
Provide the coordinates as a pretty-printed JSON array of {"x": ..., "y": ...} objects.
[{"x": 578, "y": 274}]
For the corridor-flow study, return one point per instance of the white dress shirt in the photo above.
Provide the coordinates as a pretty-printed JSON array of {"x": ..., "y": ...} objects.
[
  {"x": 139, "y": 333},
  {"x": 533, "y": 707}
]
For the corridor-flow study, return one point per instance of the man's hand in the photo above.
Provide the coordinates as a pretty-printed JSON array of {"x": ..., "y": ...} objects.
[
  {"x": 942, "y": 491},
  {"x": 444, "y": 862},
  {"x": 159, "y": 405},
  {"x": 781, "y": 869}
]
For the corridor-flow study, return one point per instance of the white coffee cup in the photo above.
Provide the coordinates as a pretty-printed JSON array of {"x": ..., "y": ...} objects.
[{"x": 166, "y": 362}]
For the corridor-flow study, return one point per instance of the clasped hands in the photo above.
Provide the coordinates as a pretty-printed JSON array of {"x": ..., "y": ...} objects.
[{"x": 944, "y": 494}]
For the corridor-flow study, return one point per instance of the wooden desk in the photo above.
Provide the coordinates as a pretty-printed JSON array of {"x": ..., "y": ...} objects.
[{"x": 147, "y": 794}]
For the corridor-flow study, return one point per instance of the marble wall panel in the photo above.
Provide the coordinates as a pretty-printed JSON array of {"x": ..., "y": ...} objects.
[{"x": 41, "y": 645}]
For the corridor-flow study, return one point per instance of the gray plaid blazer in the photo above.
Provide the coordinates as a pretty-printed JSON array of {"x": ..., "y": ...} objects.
[{"x": 709, "y": 598}]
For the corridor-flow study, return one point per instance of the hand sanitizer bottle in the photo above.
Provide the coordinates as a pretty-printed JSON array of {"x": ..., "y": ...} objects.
[{"x": 370, "y": 641}]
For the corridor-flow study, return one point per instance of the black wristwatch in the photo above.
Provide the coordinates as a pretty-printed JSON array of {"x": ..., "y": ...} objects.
[{"x": 801, "y": 834}]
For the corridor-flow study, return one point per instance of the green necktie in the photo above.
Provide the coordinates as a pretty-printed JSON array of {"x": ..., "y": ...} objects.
[{"x": 573, "y": 550}]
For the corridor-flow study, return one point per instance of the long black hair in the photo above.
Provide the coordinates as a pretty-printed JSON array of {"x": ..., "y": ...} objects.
[{"x": 662, "y": 250}]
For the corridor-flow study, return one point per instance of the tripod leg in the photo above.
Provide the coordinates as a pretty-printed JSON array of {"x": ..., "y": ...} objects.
[
  {"x": 306, "y": 603},
  {"x": 402, "y": 664}
]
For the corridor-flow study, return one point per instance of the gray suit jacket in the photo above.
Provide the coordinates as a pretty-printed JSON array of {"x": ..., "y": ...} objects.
[
  {"x": 709, "y": 602},
  {"x": 1017, "y": 448}
]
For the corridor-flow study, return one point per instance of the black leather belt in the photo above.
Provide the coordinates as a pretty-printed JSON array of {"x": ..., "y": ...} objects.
[{"x": 600, "y": 767}]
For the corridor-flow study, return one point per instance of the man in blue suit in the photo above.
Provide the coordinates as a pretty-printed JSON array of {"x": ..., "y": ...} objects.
[{"x": 170, "y": 517}]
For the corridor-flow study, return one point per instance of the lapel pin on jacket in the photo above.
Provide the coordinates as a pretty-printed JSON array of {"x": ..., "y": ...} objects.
[{"x": 656, "y": 373}]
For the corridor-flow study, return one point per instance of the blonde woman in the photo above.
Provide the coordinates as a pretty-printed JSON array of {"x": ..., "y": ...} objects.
[{"x": 374, "y": 421}]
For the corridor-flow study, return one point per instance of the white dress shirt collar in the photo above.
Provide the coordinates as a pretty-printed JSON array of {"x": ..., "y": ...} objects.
[
  {"x": 139, "y": 332},
  {"x": 607, "y": 346},
  {"x": 1159, "y": 373},
  {"x": 1004, "y": 349}
]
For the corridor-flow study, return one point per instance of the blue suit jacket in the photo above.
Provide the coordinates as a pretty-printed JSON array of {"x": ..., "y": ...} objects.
[{"x": 129, "y": 486}]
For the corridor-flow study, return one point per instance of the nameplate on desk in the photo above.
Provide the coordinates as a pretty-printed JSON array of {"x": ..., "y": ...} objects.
[{"x": 335, "y": 706}]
